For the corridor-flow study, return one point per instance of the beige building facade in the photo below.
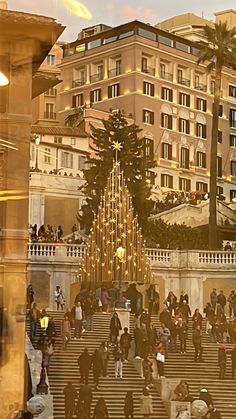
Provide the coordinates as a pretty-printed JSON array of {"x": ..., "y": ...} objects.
[{"x": 153, "y": 76}]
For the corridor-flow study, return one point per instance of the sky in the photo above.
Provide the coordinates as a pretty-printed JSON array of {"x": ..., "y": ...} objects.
[{"x": 116, "y": 12}]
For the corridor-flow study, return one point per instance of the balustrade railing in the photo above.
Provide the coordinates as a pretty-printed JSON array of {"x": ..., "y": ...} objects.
[{"x": 158, "y": 257}]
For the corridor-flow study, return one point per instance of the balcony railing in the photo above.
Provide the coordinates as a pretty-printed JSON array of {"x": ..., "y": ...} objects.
[
  {"x": 50, "y": 115},
  {"x": 159, "y": 258},
  {"x": 183, "y": 81},
  {"x": 114, "y": 72},
  {"x": 200, "y": 86},
  {"x": 149, "y": 70},
  {"x": 166, "y": 76},
  {"x": 78, "y": 82},
  {"x": 96, "y": 77}
]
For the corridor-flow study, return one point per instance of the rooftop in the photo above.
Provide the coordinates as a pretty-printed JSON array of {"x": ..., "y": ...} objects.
[{"x": 58, "y": 131}]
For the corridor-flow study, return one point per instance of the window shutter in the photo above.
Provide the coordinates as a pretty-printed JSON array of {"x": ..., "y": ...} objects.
[
  {"x": 171, "y": 95},
  {"x": 204, "y": 160},
  {"x": 180, "y": 98},
  {"x": 180, "y": 119},
  {"x": 162, "y": 119},
  {"x": 99, "y": 94},
  {"x": 144, "y": 112},
  {"x": 169, "y": 151},
  {"x": 188, "y": 100},
  {"x": 170, "y": 121},
  {"x": 162, "y": 179},
  {"x": 220, "y": 110},
  {"x": 204, "y": 131},
  {"x": 62, "y": 159},
  {"x": 73, "y": 101},
  {"x": 144, "y": 87},
  {"x": 71, "y": 161},
  {"x": 219, "y": 163},
  {"x": 91, "y": 96},
  {"x": 152, "y": 118},
  {"x": 204, "y": 105},
  {"x": 109, "y": 92},
  {"x": 171, "y": 182},
  {"x": 162, "y": 150},
  {"x": 162, "y": 92},
  {"x": 152, "y": 89},
  {"x": 187, "y": 127},
  {"x": 180, "y": 184},
  {"x": 187, "y": 157},
  {"x": 118, "y": 89}
]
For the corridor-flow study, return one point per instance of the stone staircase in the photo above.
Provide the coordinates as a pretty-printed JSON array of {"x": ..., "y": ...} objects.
[
  {"x": 64, "y": 368},
  {"x": 204, "y": 375}
]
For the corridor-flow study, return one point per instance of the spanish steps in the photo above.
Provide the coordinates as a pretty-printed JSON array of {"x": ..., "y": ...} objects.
[{"x": 64, "y": 368}]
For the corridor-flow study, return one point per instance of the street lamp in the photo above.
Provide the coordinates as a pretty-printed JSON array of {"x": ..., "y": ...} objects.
[
  {"x": 37, "y": 142},
  {"x": 120, "y": 254}
]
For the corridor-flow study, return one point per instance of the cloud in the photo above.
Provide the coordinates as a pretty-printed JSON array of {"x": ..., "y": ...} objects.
[{"x": 131, "y": 13}]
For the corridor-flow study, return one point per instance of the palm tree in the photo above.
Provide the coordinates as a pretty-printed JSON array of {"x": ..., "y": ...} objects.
[{"x": 219, "y": 50}]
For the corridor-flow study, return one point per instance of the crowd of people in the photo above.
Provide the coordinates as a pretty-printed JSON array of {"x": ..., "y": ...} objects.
[
  {"x": 151, "y": 344},
  {"x": 45, "y": 234}
]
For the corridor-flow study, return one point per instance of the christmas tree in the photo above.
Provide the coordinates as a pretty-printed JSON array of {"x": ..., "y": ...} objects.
[
  {"x": 116, "y": 251},
  {"x": 135, "y": 162}
]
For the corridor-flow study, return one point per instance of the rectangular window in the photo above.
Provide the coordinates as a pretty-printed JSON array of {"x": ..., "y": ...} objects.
[
  {"x": 184, "y": 158},
  {"x": 212, "y": 87},
  {"x": 57, "y": 140},
  {"x": 77, "y": 100},
  {"x": 233, "y": 167},
  {"x": 47, "y": 155},
  {"x": 166, "y": 151},
  {"x": 167, "y": 94},
  {"x": 118, "y": 67},
  {"x": 73, "y": 141},
  {"x": 114, "y": 90},
  {"x": 232, "y": 194},
  {"x": 219, "y": 190},
  {"x": 184, "y": 99},
  {"x": 49, "y": 113},
  {"x": 95, "y": 96},
  {"x": 94, "y": 44},
  {"x": 147, "y": 34},
  {"x": 201, "y": 104},
  {"x": 51, "y": 59},
  {"x": 148, "y": 88},
  {"x": 219, "y": 166},
  {"x": 232, "y": 91},
  {"x": 184, "y": 126},
  {"x": 166, "y": 181},
  {"x": 148, "y": 148},
  {"x": 200, "y": 130},
  {"x": 232, "y": 118},
  {"x": 181, "y": 46},
  {"x": 166, "y": 121},
  {"x": 144, "y": 64},
  {"x": 201, "y": 159},
  {"x": 165, "y": 41},
  {"x": 66, "y": 160},
  {"x": 184, "y": 184},
  {"x": 232, "y": 140},
  {"x": 148, "y": 117},
  {"x": 220, "y": 137},
  {"x": 201, "y": 186},
  {"x": 81, "y": 162}
]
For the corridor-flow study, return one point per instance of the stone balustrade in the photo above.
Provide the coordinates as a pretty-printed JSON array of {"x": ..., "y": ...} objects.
[{"x": 159, "y": 258}]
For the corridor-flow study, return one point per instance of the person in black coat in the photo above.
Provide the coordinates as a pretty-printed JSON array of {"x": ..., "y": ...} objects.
[
  {"x": 70, "y": 395},
  {"x": 233, "y": 360},
  {"x": 115, "y": 327},
  {"x": 222, "y": 361},
  {"x": 129, "y": 405},
  {"x": 165, "y": 317},
  {"x": 205, "y": 396},
  {"x": 97, "y": 368},
  {"x": 86, "y": 396},
  {"x": 221, "y": 299},
  {"x": 213, "y": 413},
  {"x": 84, "y": 362}
]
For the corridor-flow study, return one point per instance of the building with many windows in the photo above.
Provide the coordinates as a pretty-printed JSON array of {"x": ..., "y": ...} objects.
[{"x": 152, "y": 74}]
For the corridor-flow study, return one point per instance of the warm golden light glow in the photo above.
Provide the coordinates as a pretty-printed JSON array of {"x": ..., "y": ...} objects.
[
  {"x": 3, "y": 80},
  {"x": 76, "y": 8}
]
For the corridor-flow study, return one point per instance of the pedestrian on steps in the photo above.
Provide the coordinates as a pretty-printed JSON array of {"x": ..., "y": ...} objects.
[
  {"x": 65, "y": 332},
  {"x": 197, "y": 343},
  {"x": 160, "y": 360},
  {"x": 104, "y": 356},
  {"x": 70, "y": 395},
  {"x": 213, "y": 413},
  {"x": 115, "y": 327},
  {"x": 97, "y": 368},
  {"x": 59, "y": 298},
  {"x": 206, "y": 397},
  {"x": 86, "y": 396},
  {"x": 119, "y": 359},
  {"x": 222, "y": 361},
  {"x": 81, "y": 412},
  {"x": 129, "y": 405},
  {"x": 146, "y": 404},
  {"x": 125, "y": 343},
  {"x": 84, "y": 362},
  {"x": 100, "y": 410}
]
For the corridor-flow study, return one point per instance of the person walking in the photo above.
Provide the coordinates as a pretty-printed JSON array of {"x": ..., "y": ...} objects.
[
  {"x": 125, "y": 343},
  {"x": 81, "y": 412},
  {"x": 104, "y": 357},
  {"x": 221, "y": 299},
  {"x": 160, "y": 360},
  {"x": 146, "y": 404},
  {"x": 59, "y": 298},
  {"x": 34, "y": 315},
  {"x": 70, "y": 395},
  {"x": 65, "y": 332},
  {"x": 119, "y": 359},
  {"x": 77, "y": 316},
  {"x": 222, "y": 361},
  {"x": 213, "y": 298},
  {"x": 147, "y": 372},
  {"x": 97, "y": 368},
  {"x": 115, "y": 327},
  {"x": 197, "y": 343},
  {"x": 44, "y": 319},
  {"x": 233, "y": 360},
  {"x": 29, "y": 296},
  {"x": 197, "y": 319},
  {"x": 105, "y": 299},
  {"x": 86, "y": 396},
  {"x": 84, "y": 363},
  {"x": 232, "y": 304},
  {"x": 51, "y": 331},
  {"x": 129, "y": 405},
  {"x": 182, "y": 330},
  {"x": 89, "y": 310},
  {"x": 171, "y": 302},
  {"x": 100, "y": 409}
]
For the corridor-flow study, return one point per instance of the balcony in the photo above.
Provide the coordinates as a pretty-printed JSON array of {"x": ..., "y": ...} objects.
[
  {"x": 166, "y": 76},
  {"x": 96, "y": 77},
  {"x": 78, "y": 82},
  {"x": 149, "y": 70},
  {"x": 115, "y": 72},
  {"x": 200, "y": 86},
  {"x": 50, "y": 115},
  {"x": 183, "y": 81}
]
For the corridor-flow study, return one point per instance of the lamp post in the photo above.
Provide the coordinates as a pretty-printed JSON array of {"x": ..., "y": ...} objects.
[
  {"x": 37, "y": 142},
  {"x": 120, "y": 254}
]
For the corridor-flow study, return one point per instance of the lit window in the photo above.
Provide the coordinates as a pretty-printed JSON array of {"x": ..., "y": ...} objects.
[
  {"x": 95, "y": 96},
  {"x": 167, "y": 94},
  {"x": 232, "y": 117},
  {"x": 148, "y": 88},
  {"x": 114, "y": 90},
  {"x": 201, "y": 104},
  {"x": 184, "y": 99},
  {"x": 148, "y": 148}
]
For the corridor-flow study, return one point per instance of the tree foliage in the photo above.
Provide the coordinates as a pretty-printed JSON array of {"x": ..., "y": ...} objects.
[
  {"x": 218, "y": 50},
  {"x": 134, "y": 162}
]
